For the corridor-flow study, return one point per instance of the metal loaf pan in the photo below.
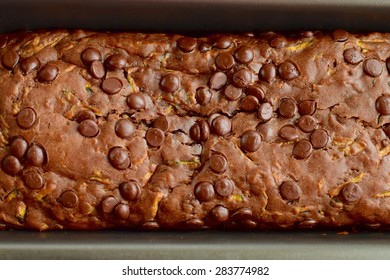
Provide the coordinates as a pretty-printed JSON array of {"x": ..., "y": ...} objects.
[{"x": 196, "y": 17}]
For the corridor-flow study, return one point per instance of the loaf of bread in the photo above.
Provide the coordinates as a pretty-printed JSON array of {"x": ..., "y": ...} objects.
[{"x": 164, "y": 131}]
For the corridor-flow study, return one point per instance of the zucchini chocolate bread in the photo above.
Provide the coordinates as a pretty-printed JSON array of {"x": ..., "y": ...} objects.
[{"x": 163, "y": 131}]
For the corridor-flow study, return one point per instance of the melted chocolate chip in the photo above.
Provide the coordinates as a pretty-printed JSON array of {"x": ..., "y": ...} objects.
[
  {"x": 386, "y": 130},
  {"x": 352, "y": 192},
  {"x": 290, "y": 190},
  {"x": 19, "y": 147},
  {"x": 217, "y": 80},
  {"x": 155, "y": 137},
  {"x": 288, "y": 132},
  {"x": 96, "y": 69},
  {"x": 200, "y": 131},
  {"x": 33, "y": 179},
  {"x": 89, "y": 55},
  {"x": 204, "y": 191},
  {"x": 119, "y": 158},
  {"x": 151, "y": 225},
  {"x": 130, "y": 190},
  {"x": 244, "y": 54},
  {"x": 162, "y": 122},
  {"x": 122, "y": 211},
  {"x": 255, "y": 91},
  {"x": 340, "y": 35},
  {"x": 288, "y": 71},
  {"x": 307, "y": 123},
  {"x": 224, "y": 61},
  {"x": 48, "y": 73},
  {"x": 224, "y": 187},
  {"x": 242, "y": 78},
  {"x": 221, "y": 125},
  {"x": 265, "y": 112},
  {"x": 220, "y": 213},
  {"x": 108, "y": 204},
  {"x": 383, "y": 105},
  {"x": 372, "y": 67},
  {"x": 251, "y": 141},
  {"x": 223, "y": 42},
  {"x": 136, "y": 101},
  {"x": 88, "y": 128},
  {"x": 352, "y": 56},
  {"x": 203, "y": 95},
  {"x": 250, "y": 103},
  {"x": 26, "y": 118},
  {"x": 287, "y": 108},
  {"x": 186, "y": 44},
  {"x": 111, "y": 85},
  {"x": 267, "y": 73},
  {"x": 388, "y": 64},
  {"x": 116, "y": 62},
  {"x": 10, "y": 59},
  {"x": 302, "y": 149},
  {"x": 11, "y": 165},
  {"x": 194, "y": 223},
  {"x": 204, "y": 47},
  {"x": 218, "y": 163},
  {"x": 242, "y": 214},
  {"x": 85, "y": 115},
  {"x": 319, "y": 138},
  {"x": 278, "y": 42},
  {"x": 232, "y": 93},
  {"x": 36, "y": 155},
  {"x": 29, "y": 64},
  {"x": 170, "y": 83},
  {"x": 69, "y": 199},
  {"x": 307, "y": 107}
]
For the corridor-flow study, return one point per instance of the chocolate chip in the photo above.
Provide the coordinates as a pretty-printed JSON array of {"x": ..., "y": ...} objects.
[
  {"x": 352, "y": 56},
  {"x": 10, "y": 59},
  {"x": 244, "y": 54},
  {"x": 186, "y": 44},
  {"x": 136, "y": 101},
  {"x": 19, "y": 147},
  {"x": 130, "y": 190},
  {"x": 340, "y": 35},
  {"x": 352, "y": 192},
  {"x": 220, "y": 213},
  {"x": 170, "y": 83},
  {"x": 204, "y": 47},
  {"x": 383, "y": 105},
  {"x": 88, "y": 128},
  {"x": 29, "y": 64},
  {"x": 307, "y": 107},
  {"x": 89, "y": 55},
  {"x": 96, "y": 69},
  {"x": 287, "y": 107},
  {"x": 302, "y": 149},
  {"x": 217, "y": 80},
  {"x": 151, "y": 225},
  {"x": 255, "y": 91},
  {"x": 249, "y": 223},
  {"x": 251, "y": 141},
  {"x": 307, "y": 34},
  {"x": 33, "y": 179},
  {"x": 3, "y": 41},
  {"x": 68, "y": 199},
  {"x": 242, "y": 78},
  {"x": 36, "y": 155},
  {"x": 221, "y": 125},
  {"x": 232, "y": 93},
  {"x": 288, "y": 132},
  {"x": 162, "y": 122},
  {"x": 250, "y": 103},
  {"x": 111, "y": 85},
  {"x": 122, "y": 211},
  {"x": 26, "y": 118},
  {"x": 48, "y": 73},
  {"x": 242, "y": 214},
  {"x": 265, "y": 112},
  {"x": 11, "y": 165},
  {"x": 290, "y": 190},
  {"x": 224, "y": 187},
  {"x": 85, "y": 115},
  {"x": 224, "y": 61},
  {"x": 119, "y": 158},
  {"x": 288, "y": 71},
  {"x": 319, "y": 138},
  {"x": 372, "y": 67},
  {"x": 155, "y": 137},
  {"x": 278, "y": 42},
  {"x": 218, "y": 163},
  {"x": 202, "y": 95},
  {"x": 386, "y": 130},
  {"x": 116, "y": 62},
  {"x": 108, "y": 204},
  {"x": 307, "y": 123},
  {"x": 388, "y": 64},
  {"x": 194, "y": 223},
  {"x": 200, "y": 131},
  {"x": 204, "y": 191},
  {"x": 223, "y": 42},
  {"x": 267, "y": 73}
]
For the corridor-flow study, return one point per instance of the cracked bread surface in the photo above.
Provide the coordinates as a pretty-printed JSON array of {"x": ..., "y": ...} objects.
[{"x": 164, "y": 131}]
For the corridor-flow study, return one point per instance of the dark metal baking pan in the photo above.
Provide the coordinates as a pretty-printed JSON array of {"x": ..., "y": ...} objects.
[{"x": 194, "y": 16}]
